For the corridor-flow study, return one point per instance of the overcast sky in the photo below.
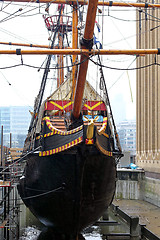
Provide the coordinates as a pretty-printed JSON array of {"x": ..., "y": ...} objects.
[{"x": 20, "y": 85}]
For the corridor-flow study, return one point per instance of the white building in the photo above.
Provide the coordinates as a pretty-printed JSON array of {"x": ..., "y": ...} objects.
[{"x": 127, "y": 135}]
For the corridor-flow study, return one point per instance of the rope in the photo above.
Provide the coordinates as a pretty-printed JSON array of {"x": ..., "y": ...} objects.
[
  {"x": 42, "y": 194},
  {"x": 20, "y": 159}
]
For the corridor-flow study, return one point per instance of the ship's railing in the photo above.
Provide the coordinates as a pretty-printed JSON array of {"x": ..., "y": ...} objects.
[{"x": 51, "y": 23}]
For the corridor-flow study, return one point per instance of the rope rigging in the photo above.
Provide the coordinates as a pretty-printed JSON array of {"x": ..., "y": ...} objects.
[
  {"x": 43, "y": 194},
  {"x": 39, "y": 98},
  {"x": 90, "y": 58},
  {"x": 107, "y": 101},
  {"x": 76, "y": 64},
  {"x": 122, "y": 19},
  {"x": 14, "y": 15}
]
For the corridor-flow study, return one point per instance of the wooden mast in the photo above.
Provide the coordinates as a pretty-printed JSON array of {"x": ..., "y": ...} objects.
[
  {"x": 74, "y": 46},
  {"x": 87, "y": 42},
  {"x": 60, "y": 77}
]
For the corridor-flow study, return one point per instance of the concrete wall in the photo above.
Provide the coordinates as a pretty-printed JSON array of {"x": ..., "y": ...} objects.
[
  {"x": 129, "y": 184},
  {"x": 151, "y": 190},
  {"x": 132, "y": 184},
  {"x": 128, "y": 190}
]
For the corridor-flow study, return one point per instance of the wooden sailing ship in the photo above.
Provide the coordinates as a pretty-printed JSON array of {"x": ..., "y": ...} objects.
[
  {"x": 70, "y": 173},
  {"x": 72, "y": 145}
]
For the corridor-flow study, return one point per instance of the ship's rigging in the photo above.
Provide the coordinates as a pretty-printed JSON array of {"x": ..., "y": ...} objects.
[
  {"x": 109, "y": 11},
  {"x": 28, "y": 7},
  {"x": 72, "y": 145}
]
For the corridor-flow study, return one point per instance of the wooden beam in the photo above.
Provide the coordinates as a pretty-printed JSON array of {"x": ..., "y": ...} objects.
[
  {"x": 30, "y": 45},
  {"x": 100, "y": 3},
  {"x": 82, "y": 52}
]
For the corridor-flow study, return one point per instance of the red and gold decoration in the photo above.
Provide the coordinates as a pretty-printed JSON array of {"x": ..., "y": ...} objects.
[
  {"x": 104, "y": 125},
  {"x": 66, "y": 105},
  {"x": 57, "y": 131},
  {"x": 62, "y": 148},
  {"x": 104, "y": 151}
]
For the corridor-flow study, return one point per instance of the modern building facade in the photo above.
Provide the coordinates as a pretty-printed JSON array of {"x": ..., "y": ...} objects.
[
  {"x": 127, "y": 135},
  {"x": 15, "y": 120},
  {"x": 148, "y": 92}
]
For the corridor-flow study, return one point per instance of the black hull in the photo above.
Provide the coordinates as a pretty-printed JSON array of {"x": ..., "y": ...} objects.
[{"x": 69, "y": 190}]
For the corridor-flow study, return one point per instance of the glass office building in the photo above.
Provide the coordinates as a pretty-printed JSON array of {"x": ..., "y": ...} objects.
[{"x": 15, "y": 120}]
